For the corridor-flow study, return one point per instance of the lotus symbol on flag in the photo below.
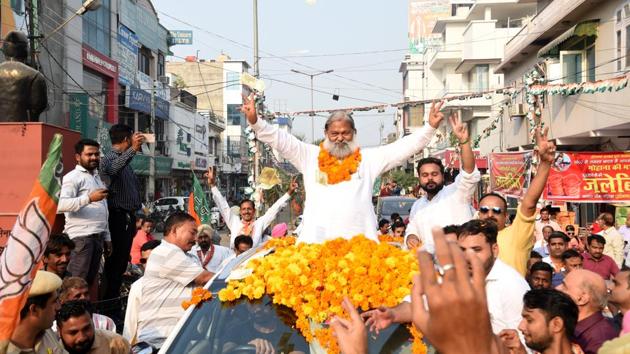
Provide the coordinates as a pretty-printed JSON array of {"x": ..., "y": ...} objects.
[{"x": 26, "y": 250}]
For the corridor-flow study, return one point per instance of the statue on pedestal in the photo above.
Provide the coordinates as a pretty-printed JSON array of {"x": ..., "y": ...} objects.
[{"x": 23, "y": 92}]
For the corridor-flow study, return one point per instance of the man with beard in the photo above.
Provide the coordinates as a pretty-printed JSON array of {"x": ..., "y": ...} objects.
[
  {"x": 549, "y": 319},
  {"x": 441, "y": 205},
  {"x": 596, "y": 261},
  {"x": 83, "y": 200},
  {"x": 210, "y": 256},
  {"x": 57, "y": 255},
  {"x": 338, "y": 175},
  {"x": 516, "y": 241},
  {"x": 247, "y": 224},
  {"x": 540, "y": 276},
  {"x": 170, "y": 276},
  {"x": 77, "y": 333}
]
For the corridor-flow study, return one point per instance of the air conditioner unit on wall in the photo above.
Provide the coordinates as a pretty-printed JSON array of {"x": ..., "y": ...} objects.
[{"x": 518, "y": 110}]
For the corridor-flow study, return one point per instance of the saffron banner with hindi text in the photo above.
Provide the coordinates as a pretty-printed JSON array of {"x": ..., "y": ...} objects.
[
  {"x": 594, "y": 177},
  {"x": 509, "y": 172}
]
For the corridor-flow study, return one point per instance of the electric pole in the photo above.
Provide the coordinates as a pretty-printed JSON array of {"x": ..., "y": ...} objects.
[
  {"x": 312, "y": 108},
  {"x": 151, "y": 185}
]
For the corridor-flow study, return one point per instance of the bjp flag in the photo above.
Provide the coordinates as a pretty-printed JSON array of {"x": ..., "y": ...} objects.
[{"x": 27, "y": 242}]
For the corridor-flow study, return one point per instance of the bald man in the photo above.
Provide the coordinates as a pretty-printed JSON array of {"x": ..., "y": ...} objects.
[{"x": 588, "y": 291}]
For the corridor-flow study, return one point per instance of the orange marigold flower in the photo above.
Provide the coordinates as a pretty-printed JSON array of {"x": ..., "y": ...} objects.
[
  {"x": 338, "y": 170},
  {"x": 198, "y": 296},
  {"x": 312, "y": 280}
]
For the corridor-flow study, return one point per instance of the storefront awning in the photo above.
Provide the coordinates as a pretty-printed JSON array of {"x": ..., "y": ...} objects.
[{"x": 582, "y": 29}]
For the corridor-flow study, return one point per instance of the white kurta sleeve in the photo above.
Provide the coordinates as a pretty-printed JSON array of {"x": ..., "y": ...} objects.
[
  {"x": 224, "y": 207},
  {"x": 273, "y": 210},
  {"x": 394, "y": 154},
  {"x": 467, "y": 184},
  {"x": 287, "y": 145}
]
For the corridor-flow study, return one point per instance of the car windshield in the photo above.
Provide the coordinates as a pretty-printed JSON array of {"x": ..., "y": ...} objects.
[
  {"x": 400, "y": 206},
  {"x": 231, "y": 327}
]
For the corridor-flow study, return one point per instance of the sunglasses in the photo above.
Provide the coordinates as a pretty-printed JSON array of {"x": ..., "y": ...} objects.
[
  {"x": 143, "y": 260},
  {"x": 570, "y": 232},
  {"x": 495, "y": 210}
]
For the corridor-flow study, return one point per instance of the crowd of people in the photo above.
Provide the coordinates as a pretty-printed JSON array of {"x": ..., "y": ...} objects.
[{"x": 488, "y": 282}]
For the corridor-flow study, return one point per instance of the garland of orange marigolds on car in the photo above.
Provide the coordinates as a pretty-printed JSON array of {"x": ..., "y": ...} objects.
[
  {"x": 199, "y": 295},
  {"x": 338, "y": 170},
  {"x": 313, "y": 279},
  {"x": 391, "y": 238}
]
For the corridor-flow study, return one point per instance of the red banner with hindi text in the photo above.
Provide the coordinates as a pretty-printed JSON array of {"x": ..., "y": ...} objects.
[
  {"x": 508, "y": 172},
  {"x": 590, "y": 177}
]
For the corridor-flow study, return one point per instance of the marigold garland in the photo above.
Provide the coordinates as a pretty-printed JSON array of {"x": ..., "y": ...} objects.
[
  {"x": 418, "y": 346},
  {"x": 338, "y": 171},
  {"x": 391, "y": 238},
  {"x": 313, "y": 279},
  {"x": 199, "y": 295}
]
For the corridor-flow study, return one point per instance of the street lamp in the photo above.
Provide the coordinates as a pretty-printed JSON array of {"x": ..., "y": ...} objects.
[
  {"x": 312, "y": 113},
  {"x": 88, "y": 5}
]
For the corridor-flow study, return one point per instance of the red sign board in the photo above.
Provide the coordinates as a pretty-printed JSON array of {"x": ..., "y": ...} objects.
[
  {"x": 99, "y": 62},
  {"x": 590, "y": 177},
  {"x": 508, "y": 171}
]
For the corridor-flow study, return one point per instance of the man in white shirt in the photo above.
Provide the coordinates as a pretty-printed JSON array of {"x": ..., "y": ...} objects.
[
  {"x": 84, "y": 204},
  {"x": 210, "y": 255},
  {"x": 338, "y": 176},
  {"x": 169, "y": 278},
  {"x": 247, "y": 224},
  {"x": 505, "y": 287},
  {"x": 442, "y": 205},
  {"x": 614, "y": 241},
  {"x": 545, "y": 220}
]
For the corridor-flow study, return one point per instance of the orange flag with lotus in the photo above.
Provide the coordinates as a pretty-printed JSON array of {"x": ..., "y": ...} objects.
[{"x": 27, "y": 241}]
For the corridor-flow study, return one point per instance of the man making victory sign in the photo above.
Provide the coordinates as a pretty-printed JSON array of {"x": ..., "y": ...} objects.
[
  {"x": 247, "y": 224},
  {"x": 338, "y": 175}
]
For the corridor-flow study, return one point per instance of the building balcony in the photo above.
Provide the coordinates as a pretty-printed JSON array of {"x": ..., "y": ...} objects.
[
  {"x": 549, "y": 23},
  {"x": 442, "y": 57},
  {"x": 483, "y": 43}
]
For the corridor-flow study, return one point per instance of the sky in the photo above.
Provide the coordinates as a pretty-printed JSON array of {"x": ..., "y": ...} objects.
[{"x": 309, "y": 36}]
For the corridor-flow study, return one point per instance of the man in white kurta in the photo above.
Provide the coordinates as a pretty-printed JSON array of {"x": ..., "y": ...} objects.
[
  {"x": 344, "y": 209},
  {"x": 238, "y": 224}
]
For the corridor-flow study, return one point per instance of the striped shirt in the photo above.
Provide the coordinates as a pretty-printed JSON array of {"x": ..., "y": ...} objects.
[
  {"x": 124, "y": 188},
  {"x": 168, "y": 280}
]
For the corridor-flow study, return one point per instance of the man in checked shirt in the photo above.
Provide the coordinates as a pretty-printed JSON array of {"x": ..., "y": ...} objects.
[{"x": 123, "y": 201}]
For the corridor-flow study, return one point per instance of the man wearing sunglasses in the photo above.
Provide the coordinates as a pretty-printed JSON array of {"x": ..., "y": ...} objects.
[{"x": 516, "y": 241}]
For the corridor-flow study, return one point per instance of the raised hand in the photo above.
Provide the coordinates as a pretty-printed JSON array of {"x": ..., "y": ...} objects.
[
  {"x": 459, "y": 128},
  {"x": 546, "y": 149},
  {"x": 249, "y": 108},
  {"x": 351, "y": 334},
  {"x": 136, "y": 141},
  {"x": 211, "y": 177},
  {"x": 458, "y": 299},
  {"x": 293, "y": 186},
  {"x": 379, "y": 318},
  {"x": 435, "y": 116}
]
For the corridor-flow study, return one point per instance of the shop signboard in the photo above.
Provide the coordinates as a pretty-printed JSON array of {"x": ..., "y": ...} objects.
[
  {"x": 140, "y": 100},
  {"x": 508, "y": 172},
  {"x": 596, "y": 177},
  {"x": 181, "y": 37},
  {"x": 127, "y": 55}
]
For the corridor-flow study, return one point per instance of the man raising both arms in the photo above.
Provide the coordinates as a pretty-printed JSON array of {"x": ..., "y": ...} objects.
[
  {"x": 338, "y": 175},
  {"x": 247, "y": 224}
]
